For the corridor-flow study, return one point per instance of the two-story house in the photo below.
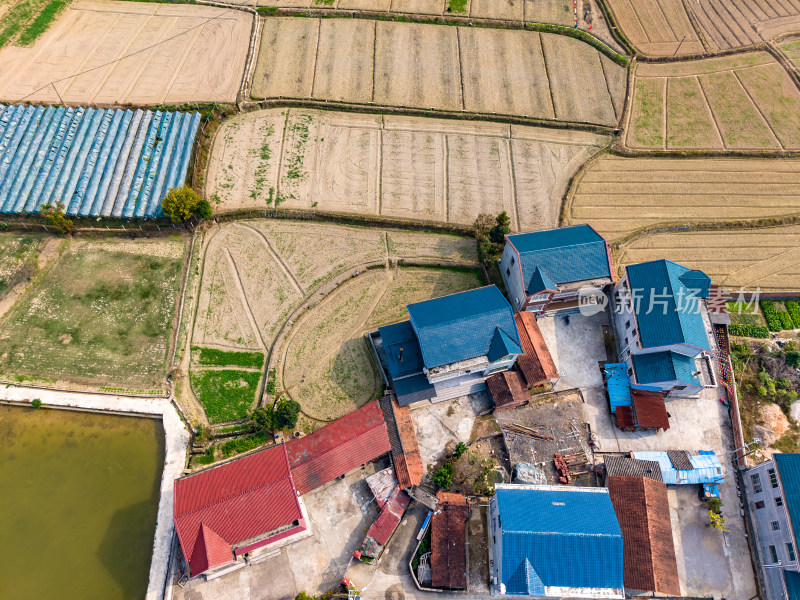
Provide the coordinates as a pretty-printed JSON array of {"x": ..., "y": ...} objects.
[
  {"x": 544, "y": 271},
  {"x": 663, "y": 327},
  {"x": 773, "y": 501},
  {"x": 449, "y": 346}
]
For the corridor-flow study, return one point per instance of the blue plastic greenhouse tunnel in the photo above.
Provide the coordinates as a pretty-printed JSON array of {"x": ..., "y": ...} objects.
[{"x": 97, "y": 162}]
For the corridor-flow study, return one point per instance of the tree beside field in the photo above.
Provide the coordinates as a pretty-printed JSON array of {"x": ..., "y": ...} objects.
[{"x": 183, "y": 203}]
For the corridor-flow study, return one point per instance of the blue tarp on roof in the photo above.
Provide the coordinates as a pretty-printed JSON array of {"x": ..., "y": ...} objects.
[
  {"x": 566, "y": 255},
  {"x": 403, "y": 355},
  {"x": 666, "y": 311},
  {"x": 659, "y": 367},
  {"x": 461, "y": 326},
  {"x": 565, "y": 537},
  {"x": 707, "y": 468},
  {"x": 789, "y": 471},
  {"x": 619, "y": 385}
]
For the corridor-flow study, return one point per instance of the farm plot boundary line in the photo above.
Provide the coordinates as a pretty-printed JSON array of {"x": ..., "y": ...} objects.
[{"x": 278, "y": 258}]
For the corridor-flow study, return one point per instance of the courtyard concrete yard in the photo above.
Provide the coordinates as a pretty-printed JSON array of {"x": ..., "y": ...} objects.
[{"x": 710, "y": 563}]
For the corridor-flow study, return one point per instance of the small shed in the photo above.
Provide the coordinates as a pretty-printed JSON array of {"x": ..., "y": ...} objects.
[{"x": 449, "y": 542}]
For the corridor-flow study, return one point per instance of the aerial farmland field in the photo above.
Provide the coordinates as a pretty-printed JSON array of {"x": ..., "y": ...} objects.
[
  {"x": 657, "y": 27},
  {"x": 742, "y": 102},
  {"x": 736, "y": 23},
  {"x": 131, "y": 53},
  {"x": 508, "y": 72},
  {"x": 620, "y": 196},
  {"x": 768, "y": 258},
  {"x": 256, "y": 275},
  {"x": 102, "y": 314},
  {"x": 393, "y": 166}
]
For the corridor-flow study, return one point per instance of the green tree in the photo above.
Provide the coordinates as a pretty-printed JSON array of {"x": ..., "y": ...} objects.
[
  {"x": 263, "y": 419},
  {"x": 204, "y": 210},
  {"x": 286, "y": 414},
  {"x": 461, "y": 447},
  {"x": 501, "y": 229},
  {"x": 444, "y": 476},
  {"x": 203, "y": 435},
  {"x": 54, "y": 215},
  {"x": 180, "y": 204}
]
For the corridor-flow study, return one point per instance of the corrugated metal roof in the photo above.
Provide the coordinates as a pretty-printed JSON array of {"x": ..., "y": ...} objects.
[
  {"x": 570, "y": 536},
  {"x": 540, "y": 282},
  {"x": 239, "y": 500},
  {"x": 649, "y": 408},
  {"x": 789, "y": 472},
  {"x": 660, "y": 367},
  {"x": 706, "y": 468},
  {"x": 461, "y": 326},
  {"x": 413, "y": 389},
  {"x": 623, "y": 466},
  {"x": 448, "y": 542},
  {"x": 642, "y": 509},
  {"x": 536, "y": 364},
  {"x": 502, "y": 345},
  {"x": 661, "y": 319},
  {"x": 566, "y": 255},
  {"x": 618, "y": 384},
  {"x": 381, "y": 484},
  {"x": 624, "y": 416}
]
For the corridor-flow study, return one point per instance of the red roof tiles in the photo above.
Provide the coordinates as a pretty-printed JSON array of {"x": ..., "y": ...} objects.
[
  {"x": 238, "y": 501},
  {"x": 649, "y": 408},
  {"x": 642, "y": 509},
  {"x": 409, "y": 469},
  {"x": 448, "y": 542},
  {"x": 407, "y": 462},
  {"x": 536, "y": 364},
  {"x": 384, "y": 526},
  {"x": 338, "y": 448},
  {"x": 508, "y": 389},
  {"x": 210, "y": 551}
]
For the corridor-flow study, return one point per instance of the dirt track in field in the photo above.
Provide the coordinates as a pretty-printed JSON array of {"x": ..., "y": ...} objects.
[
  {"x": 489, "y": 71},
  {"x": 748, "y": 258},
  {"x": 131, "y": 53},
  {"x": 665, "y": 28},
  {"x": 398, "y": 167},
  {"x": 741, "y": 102},
  {"x": 620, "y": 196}
]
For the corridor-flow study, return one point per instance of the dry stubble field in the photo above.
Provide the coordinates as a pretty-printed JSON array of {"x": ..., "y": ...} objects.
[
  {"x": 393, "y": 166},
  {"x": 200, "y": 55},
  {"x": 742, "y": 102},
  {"x": 657, "y": 27},
  {"x": 508, "y": 72},
  {"x": 749, "y": 258},
  {"x": 256, "y": 272},
  {"x": 620, "y": 196}
]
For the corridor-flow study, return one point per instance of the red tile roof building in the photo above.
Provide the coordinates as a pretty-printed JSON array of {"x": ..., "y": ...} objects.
[
  {"x": 508, "y": 390},
  {"x": 642, "y": 509},
  {"x": 222, "y": 512},
  {"x": 225, "y": 511},
  {"x": 338, "y": 448},
  {"x": 448, "y": 542},
  {"x": 536, "y": 364},
  {"x": 403, "y": 439}
]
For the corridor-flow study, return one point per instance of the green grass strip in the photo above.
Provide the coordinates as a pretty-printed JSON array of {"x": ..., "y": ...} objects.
[
  {"x": 223, "y": 358},
  {"x": 41, "y": 23},
  {"x": 226, "y": 395},
  {"x": 15, "y": 20},
  {"x": 457, "y": 6}
]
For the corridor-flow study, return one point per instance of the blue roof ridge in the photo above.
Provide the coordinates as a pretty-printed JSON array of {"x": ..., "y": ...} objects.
[
  {"x": 462, "y": 318},
  {"x": 562, "y": 533},
  {"x": 575, "y": 245}
]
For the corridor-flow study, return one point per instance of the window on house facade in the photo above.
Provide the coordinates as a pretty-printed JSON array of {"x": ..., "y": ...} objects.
[
  {"x": 773, "y": 554},
  {"x": 756, "y": 479},
  {"x": 775, "y": 526},
  {"x": 778, "y": 501},
  {"x": 760, "y": 504},
  {"x": 512, "y": 261},
  {"x": 679, "y": 387},
  {"x": 773, "y": 478},
  {"x": 790, "y": 552},
  {"x": 627, "y": 324},
  {"x": 508, "y": 272},
  {"x": 630, "y": 371},
  {"x": 539, "y": 297}
]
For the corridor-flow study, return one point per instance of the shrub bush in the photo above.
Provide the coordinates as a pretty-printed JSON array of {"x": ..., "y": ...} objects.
[
  {"x": 751, "y": 331},
  {"x": 36, "y": 403},
  {"x": 793, "y": 308},
  {"x": 243, "y": 444},
  {"x": 444, "y": 476}
]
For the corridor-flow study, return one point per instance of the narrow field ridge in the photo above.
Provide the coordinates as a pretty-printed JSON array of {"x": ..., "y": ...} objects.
[{"x": 98, "y": 162}]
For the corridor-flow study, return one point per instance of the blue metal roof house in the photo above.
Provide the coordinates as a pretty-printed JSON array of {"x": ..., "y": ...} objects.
[
  {"x": 682, "y": 468},
  {"x": 772, "y": 494},
  {"x": 449, "y": 346},
  {"x": 555, "y": 541},
  {"x": 659, "y": 318},
  {"x": 543, "y": 270}
]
